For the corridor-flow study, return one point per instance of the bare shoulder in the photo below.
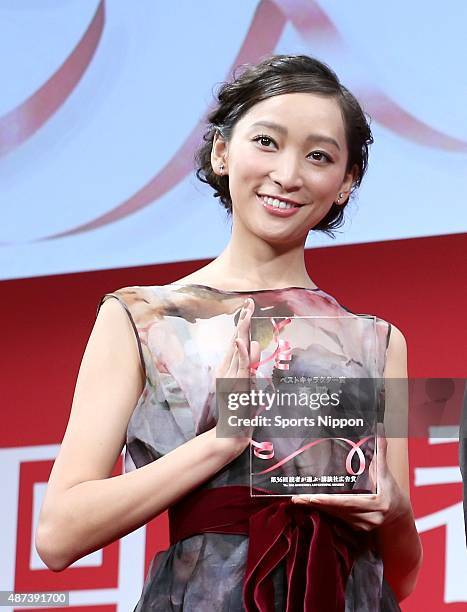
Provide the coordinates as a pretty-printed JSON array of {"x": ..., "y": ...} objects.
[
  {"x": 396, "y": 357},
  {"x": 397, "y": 338},
  {"x": 396, "y": 408}
]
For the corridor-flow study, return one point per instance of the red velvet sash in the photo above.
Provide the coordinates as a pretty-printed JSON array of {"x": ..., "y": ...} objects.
[{"x": 318, "y": 554}]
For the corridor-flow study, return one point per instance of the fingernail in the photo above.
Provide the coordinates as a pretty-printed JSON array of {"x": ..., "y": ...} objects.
[
  {"x": 246, "y": 302},
  {"x": 297, "y": 500}
]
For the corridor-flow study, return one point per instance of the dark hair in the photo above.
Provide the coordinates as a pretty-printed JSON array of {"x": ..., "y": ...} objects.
[{"x": 273, "y": 76}]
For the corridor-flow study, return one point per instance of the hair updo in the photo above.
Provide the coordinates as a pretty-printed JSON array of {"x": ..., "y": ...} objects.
[{"x": 273, "y": 76}]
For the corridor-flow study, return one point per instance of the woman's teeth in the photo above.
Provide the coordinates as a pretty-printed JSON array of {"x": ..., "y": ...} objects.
[{"x": 277, "y": 203}]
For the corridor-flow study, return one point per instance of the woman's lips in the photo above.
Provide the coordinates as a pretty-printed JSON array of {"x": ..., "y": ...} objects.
[{"x": 277, "y": 212}]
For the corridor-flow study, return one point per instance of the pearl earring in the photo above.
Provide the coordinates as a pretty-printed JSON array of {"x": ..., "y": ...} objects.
[{"x": 339, "y": 197}]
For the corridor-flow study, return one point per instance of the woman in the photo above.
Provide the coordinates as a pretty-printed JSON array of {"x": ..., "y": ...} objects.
[{"x": 285, "y": 148}]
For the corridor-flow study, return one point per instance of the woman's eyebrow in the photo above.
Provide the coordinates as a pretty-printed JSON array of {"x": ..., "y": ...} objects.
[{"x": 283, "y": 130}]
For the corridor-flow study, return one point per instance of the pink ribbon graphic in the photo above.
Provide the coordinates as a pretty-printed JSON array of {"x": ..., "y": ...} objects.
[
  {"x": 282, "y": 352},
  {"x": 354, "y": 449},
  {"x": 263, "y": 450},
  {"x": 312, "y": 24}
]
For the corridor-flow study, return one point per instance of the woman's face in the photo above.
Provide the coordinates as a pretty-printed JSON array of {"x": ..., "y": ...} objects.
[{"x": 290, "y": 148}]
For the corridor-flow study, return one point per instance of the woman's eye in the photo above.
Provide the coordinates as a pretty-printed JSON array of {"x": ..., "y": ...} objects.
[
  {"x": 263, "y": 140},
  {"x": 320, "y": 156},
  {"x": 266, "y": 141}
]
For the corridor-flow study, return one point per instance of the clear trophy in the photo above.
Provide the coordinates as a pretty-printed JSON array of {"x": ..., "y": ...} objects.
[{"x": 314, "y": 404}]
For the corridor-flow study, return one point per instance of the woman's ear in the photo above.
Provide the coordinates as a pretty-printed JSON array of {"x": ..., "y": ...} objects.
[
  {"x": 219, "y": 154},
  {"x": 347, "y": 183}
]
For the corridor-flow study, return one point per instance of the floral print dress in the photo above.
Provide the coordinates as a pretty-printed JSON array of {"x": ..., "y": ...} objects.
[{"x": 183, "y": 332}]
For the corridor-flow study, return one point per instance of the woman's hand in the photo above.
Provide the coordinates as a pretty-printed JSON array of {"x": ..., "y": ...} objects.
[
  {"x": 366, "y": 512},
  {"x": 236, "y": 365}
]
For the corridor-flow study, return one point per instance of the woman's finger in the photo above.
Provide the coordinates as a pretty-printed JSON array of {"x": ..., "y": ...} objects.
[
  {"x": 357, "y": 502},
  {"x": 255, "y": 352},
  {"x": 224, "y": 366},
  {"x": 233, "y": 352},
  {"x": 364, "y": 520},
  {"x": 243, "y": 358},
  {"x": 243, "y": 325},
  {"x": 233, "y": 368}
]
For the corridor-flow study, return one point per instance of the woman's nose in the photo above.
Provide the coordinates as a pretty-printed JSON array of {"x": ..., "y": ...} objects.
[{"x": 287, "y": 173}]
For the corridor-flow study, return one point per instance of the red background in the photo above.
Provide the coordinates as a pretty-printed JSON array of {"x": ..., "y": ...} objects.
[{"x": 417, "y": 284}]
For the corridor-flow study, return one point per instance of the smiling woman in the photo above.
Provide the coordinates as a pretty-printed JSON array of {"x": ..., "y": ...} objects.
[
  {"x": 321, "y": 130},
  {"x": 286, "y": 169},
  {"x": 285, "y": 148}
]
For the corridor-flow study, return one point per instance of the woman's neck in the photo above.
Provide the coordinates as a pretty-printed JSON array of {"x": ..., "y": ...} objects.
[{"x": 261, "y": 267}]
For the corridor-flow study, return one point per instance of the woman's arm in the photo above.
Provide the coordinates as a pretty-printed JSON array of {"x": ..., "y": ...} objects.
[
  {"x": 84, "y": 508},
  {"x": 398, "y": 541}
]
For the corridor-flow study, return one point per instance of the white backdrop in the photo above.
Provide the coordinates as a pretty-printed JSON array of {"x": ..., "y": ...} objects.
[{"x": 89, "y": 124}]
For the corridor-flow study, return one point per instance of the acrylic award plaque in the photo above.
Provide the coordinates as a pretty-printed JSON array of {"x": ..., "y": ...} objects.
[{"x": 314, "y": 405}]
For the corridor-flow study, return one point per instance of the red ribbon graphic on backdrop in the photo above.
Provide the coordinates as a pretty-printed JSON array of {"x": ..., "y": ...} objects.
[
  {"x": 23, "y": 121},
  {"x": 310, "y": 22}
]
